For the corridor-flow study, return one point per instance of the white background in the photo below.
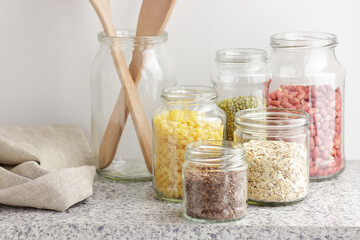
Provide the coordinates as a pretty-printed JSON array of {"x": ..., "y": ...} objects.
[{"x": 46, "y": 49}]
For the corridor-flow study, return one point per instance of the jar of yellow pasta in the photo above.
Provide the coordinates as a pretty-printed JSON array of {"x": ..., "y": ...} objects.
[{"x": 188, "y": 114}]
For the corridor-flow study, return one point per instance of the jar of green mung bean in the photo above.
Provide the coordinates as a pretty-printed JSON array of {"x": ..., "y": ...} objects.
[{"x": 241, "y": 80}]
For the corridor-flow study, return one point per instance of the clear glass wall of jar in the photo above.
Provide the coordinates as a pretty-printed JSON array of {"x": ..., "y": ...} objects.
[
  {"x": 188, "y": 114},
  {"x": 277, "y": 153},
  {"x": 241, "y": 80},
  {"x": 307, "y": 76},
  {"x": 215, "y": 181},
  {"x": 157, "y": 73}
]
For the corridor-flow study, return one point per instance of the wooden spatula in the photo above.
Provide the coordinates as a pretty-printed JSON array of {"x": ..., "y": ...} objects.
[
  {"x": 154, "y": 15},
  {"x": 141, "y": 124}
]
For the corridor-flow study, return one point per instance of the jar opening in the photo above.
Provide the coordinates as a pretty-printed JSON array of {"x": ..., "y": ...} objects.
[
  {"x": 128, "y": 36},
  {"x": 240, "y": 55},
  {"x": 272, "y": 118},
  {"x": 303, "y": 40},
  {"x": 188, "y": 94},
  {"x": 216, "y": 153}
]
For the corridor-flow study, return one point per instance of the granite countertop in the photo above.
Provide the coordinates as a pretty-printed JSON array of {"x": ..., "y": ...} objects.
[{"x": 130, "y": 210}]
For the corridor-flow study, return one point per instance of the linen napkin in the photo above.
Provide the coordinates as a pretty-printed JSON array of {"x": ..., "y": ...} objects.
[{"x": 47, "y": 167}]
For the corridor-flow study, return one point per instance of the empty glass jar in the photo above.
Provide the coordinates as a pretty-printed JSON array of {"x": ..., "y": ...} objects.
[
  {"x": 215, "y": 181},
  {"x": 187, "y": 114},
  {"x": 307, "y": 76},
  {"x": 155, "y": 73},
  {"x": 277, "y": 153},
  {"x": 241, "y": 80}
]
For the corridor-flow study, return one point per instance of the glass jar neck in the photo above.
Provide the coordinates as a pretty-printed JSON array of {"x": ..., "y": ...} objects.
[
  {"x": 189, "y": 95},
  {"x": 303, "y": 40},
  {"x": 304, "y": 45},
  {"x": 321, "y": 52},
  {"x": 127, "y": 37},
  {"x": 216, "y": 154},
  {"x": 243, "y": 59},
  {"x": 273, "y": 120}
]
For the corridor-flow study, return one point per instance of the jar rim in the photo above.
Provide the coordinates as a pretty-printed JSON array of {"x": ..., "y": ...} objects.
[
  {"x": 303, "y": 40},
  {"x": 216, "y": 152},
  {"x": 272, "y": 118},
  {"x": 240, "y": 55},
  {"x": 188, "y": 94},
  {"x": 129, "y": 36}
]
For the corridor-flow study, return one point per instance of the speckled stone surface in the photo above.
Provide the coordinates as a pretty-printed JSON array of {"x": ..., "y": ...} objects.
[{"x": 130, "y": 211}]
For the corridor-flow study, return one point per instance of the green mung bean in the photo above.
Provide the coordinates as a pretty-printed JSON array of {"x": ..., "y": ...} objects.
[{"x": 233, "y": 105}]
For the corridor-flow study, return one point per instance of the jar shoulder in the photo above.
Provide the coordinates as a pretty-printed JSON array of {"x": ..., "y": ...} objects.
[{"x": 307, "y": 64}]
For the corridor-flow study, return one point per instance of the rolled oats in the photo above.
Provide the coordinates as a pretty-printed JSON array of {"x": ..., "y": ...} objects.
[{"x": 277, "y": 171}]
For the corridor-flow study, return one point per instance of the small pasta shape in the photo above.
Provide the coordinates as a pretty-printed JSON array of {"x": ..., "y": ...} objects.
[{"x": 173, "y": 130}]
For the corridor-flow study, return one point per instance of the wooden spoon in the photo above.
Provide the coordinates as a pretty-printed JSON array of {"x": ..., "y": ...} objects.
[
  {"x": 141, "y": 124},
  {"x": 154, "y": 15}
]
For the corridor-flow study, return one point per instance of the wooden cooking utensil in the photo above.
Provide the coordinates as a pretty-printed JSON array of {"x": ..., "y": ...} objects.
[
  {"x": 141, "y": 124},
  {"x": 154, "y": 15}
]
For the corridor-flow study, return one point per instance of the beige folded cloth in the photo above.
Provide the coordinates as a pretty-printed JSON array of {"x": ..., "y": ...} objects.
[{"x": 44, "y": 167}]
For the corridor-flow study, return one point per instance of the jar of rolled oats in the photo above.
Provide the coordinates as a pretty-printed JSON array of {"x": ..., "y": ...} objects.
[{"x": 277, "y": 153}]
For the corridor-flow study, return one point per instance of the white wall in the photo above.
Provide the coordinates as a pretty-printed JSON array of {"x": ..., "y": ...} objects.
[{"x": 46, "y": 48}]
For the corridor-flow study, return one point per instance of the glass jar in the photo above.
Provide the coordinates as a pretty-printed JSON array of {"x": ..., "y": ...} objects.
[
  {"x": 241, "y": 80},
  {"x": 277, "y": 153},
  {"x": 157, "y": 72},
  {"x": 188, "y": 114},
  {"x": 215, "y": 181},
  {"x": 307, "y": 76}
]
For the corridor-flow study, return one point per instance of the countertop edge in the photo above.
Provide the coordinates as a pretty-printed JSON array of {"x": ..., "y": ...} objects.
[{"x": 203, "y": 231}]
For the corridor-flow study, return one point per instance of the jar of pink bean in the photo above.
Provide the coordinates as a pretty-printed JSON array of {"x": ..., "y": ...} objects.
[{"x": 307, "y": 76}]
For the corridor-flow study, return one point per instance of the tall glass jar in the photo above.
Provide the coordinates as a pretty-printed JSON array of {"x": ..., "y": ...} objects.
[
  {"x": 307, "y": 76},
  {"x": 215, "y": 181},
  {"x": 157, "y": 72},
  {"x": 241, "y": 80},
  {"x": 277, "y": 153},
  {"x": 187, "y": 114}
]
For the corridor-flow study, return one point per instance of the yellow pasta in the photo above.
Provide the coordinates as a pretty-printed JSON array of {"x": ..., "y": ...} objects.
[{"x": 173, "y": 130}]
